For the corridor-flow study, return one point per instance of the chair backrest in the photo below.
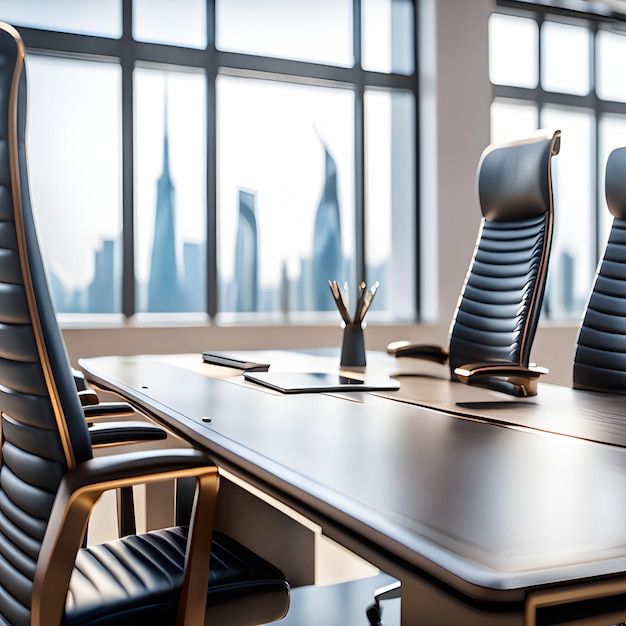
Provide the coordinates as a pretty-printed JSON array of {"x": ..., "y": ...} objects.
[
  {"x": 44, "y": 432},
  {"x": 499, "y": 306},
  {"x": 600, "y": 357}
]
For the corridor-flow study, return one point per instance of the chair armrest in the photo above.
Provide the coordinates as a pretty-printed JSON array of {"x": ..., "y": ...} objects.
[
  {"x": 88, "y": 397},
  {"x": 80, "y": 489},
  {"x": 374, "y": 612},
  {"x": 418, "y": 351},
  {"x": 90, "y": 401},
  {"x": 511, "y": 378},
  {"x": 79, "y": 380},
  {"x": 86, "y": 394},
  {"x": 133, "y": 468},
  {"x": 117, "y": 433},
  {"x": 107, "y": 409},
  {"x": 104, "y": 433}
]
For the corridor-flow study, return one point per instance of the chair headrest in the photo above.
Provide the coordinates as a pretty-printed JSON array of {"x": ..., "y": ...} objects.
[
  {"x": 615, "y": 183},
  {"x": 514, "y": 179}
]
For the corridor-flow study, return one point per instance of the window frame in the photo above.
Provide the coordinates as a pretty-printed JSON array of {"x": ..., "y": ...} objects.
[
  {"x": 130, "y": 53},
  {"x": 595, "y": 18}
]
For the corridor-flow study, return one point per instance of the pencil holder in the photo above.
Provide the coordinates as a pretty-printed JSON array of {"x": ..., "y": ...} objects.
[{"x": 353, "y": 346}]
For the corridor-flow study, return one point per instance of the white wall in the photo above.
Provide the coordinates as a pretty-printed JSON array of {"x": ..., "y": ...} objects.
[{"x": 456, "y": 92}]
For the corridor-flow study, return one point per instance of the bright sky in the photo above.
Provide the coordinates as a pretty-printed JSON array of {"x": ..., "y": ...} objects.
[{"x": 270, "y": 134}]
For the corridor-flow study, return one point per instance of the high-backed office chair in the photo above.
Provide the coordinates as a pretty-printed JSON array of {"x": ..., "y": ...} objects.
[
  {"x": 600, "y": 357},
  {"x": 49, "y": 480},
  {"x": 493, "y": 328},
  {"x": 494, "y": 325}
]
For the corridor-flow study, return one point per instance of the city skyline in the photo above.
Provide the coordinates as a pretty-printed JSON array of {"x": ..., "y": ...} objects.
[{"x": 176, "y": 285}]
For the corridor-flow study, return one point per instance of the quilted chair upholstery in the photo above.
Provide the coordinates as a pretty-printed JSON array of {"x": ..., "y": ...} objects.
[
  {"x": 494, "y": 325},
  {"x": 600, "y": 358},
  {"x": 49, "y": 480}
]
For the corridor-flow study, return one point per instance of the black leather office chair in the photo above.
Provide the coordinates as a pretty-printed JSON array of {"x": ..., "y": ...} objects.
[
  {"x": 49, "y": 480},
  {"x": 600, "y": 358},
  {"x": 493, "y": 328},
  {"x": 494, "y": 325}
]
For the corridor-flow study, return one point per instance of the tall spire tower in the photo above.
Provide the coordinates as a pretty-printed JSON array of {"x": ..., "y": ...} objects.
[
  {"x": 163, "y": 283},
  {"x": 327, "y": 254},
  {"x": 246, "y": 255}
]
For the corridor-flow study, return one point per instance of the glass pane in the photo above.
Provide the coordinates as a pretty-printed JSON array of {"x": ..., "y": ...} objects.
[
  {"x": 512, "y": 120},
  {"x": 572, "y": 263},
  {"x": 513, "y": 51},
  {"x": 387, "y": 36},
  {"x": 170, "y": 190},
  {"x": 390, "y": 200},
  {"x": 612, "y": 134},
  {"x": 319, "y": 31},
  {"x": 610, "y": 83},
  {"x": 96, "y": 17},
  {"x": 181, "y": 23},
  {"x": 74, "y": 144},
  {"x": 565, "y": 58},
  {"x": 286, "y": 155}
]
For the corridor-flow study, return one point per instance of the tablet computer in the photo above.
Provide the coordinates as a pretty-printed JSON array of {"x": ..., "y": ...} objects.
[{"x": 312, "y": 382}]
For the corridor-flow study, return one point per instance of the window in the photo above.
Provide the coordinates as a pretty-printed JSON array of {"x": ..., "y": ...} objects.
[
  {"x": 223, "y": 157},
  {"x": 285, "y": 151},
  {"x": 558, "y": 68},
  {"x": 169, "y": 190},
  {"x": 77, "y": 194}
]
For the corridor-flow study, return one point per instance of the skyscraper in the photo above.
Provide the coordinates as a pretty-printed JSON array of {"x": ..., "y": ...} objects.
[
  {"x": 327, "y": 262},
  {"x": 246, "y": 255},
  {"x": 163, "y": 291},
  {"x": 193, "y": 284},
  {"x": 101, "y": 294}
]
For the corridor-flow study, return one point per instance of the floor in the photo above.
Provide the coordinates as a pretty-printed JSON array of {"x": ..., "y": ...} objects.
[
  {"x": 338, "y": 604},
  {"x": 342, "y": 604}
]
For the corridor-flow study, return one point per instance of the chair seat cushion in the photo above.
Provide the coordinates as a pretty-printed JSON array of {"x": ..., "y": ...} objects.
[{"x": 137, "y": 580}]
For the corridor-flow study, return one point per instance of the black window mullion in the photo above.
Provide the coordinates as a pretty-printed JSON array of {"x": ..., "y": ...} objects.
[
  {"x": 416, "y": 125},
  {"x": 129, "y": 305},
  {"x": 540, "y": 92},
  {"x": 69, "y": 44},
  {"x": 359, "y": 184},
  {"x": 359, "y": 143},
  {"x": 211, "y": 166},
  {"x": 595, "y": 180}
]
